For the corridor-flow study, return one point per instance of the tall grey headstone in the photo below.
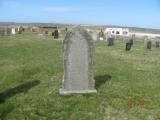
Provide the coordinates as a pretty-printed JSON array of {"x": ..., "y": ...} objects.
[
  {"x": 78, "y": 48},
  {"x": 56, "y": 34}
]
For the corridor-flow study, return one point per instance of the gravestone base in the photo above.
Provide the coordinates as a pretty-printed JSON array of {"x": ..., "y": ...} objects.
[
  {"x": 69, "y": 92},
  {"x": 89, "y": 90}
]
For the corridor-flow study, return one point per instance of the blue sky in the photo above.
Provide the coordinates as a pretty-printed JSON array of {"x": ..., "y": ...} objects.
[{"x": 136, "y": 13}]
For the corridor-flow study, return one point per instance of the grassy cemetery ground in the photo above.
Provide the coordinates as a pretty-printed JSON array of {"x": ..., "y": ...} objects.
[{"x": 31, "y": 71}]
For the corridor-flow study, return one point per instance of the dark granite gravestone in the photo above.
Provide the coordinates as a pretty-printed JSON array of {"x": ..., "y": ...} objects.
[
  {"x": 78, "y": 47},
  {"x": 149, "y": 45},
  {"x": 157, "y": 43},
  {"x": 52, "y": 33},
  {"x": 23, "y": 29},
  {"x": 128, "y": 46},
  {"x": 110, "y": 41},
  {"x": 56, "y": 34}
]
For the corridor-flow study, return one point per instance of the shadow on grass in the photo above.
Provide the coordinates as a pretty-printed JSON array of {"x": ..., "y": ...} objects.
[
  {"x": 5, "y": 109},
  {"x": 99, "y": 80},
  {"x": 19, "y": 89}
]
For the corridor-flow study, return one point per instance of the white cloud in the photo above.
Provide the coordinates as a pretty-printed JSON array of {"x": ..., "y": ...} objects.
[{"x": 55, "y": 9}]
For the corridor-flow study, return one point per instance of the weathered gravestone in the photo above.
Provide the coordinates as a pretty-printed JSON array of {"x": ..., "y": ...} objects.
[
  {"x": 128, "y": 43},
  {"x": 147, "y": 43},
  {"x": 131, "y": 40},
  {"x": 128, "y": 46},
  {"x": 23, "y": 29},
  {"x": 110, "y": 40},
  {"x": 13, "y": 31},
  {"x": 78, "y": 49},
  {"x": 157, "y": 43},
  {"x": 20, "y": 30},
  {"x": 56, "y": 34}
]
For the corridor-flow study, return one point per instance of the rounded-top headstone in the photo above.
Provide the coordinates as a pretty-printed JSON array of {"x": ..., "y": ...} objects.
[{"x": 78, "y": 47}]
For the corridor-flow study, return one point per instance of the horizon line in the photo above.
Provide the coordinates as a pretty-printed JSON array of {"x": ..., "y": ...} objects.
[{"x": 62, "y": 23}]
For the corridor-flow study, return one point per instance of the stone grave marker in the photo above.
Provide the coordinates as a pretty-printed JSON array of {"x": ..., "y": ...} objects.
[
  {"x": 147, "y": 43},
  {"x": 20, "y": 30},
  {"x": 56, "y": 34},
  {"x": 13, "y": 31},
  {"x": 78, "y": 47},
  {"x": 131, "y": 40},
  {"x": 110, "y": 40},
  {"x": 157, "y": 43},
  {"x": 52, "y": 33},
  {"x": 128, "y": 43},
  {"x": 128, "y": 46}
]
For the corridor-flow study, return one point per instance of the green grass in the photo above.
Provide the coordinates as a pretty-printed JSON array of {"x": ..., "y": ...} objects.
[{"x": 131, "y": 76}]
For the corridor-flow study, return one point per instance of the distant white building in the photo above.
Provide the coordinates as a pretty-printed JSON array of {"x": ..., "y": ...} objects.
[
  {"x": 117, "y": 31},
  {"x": 150, "y": 35}
]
